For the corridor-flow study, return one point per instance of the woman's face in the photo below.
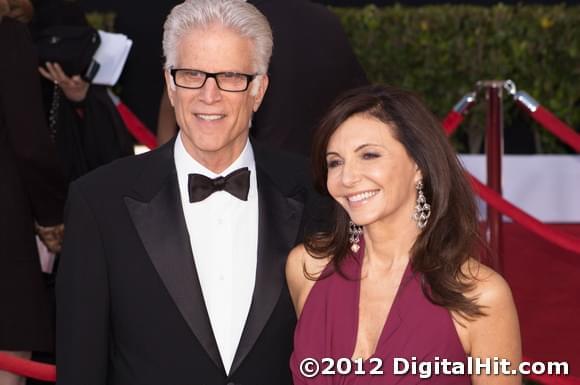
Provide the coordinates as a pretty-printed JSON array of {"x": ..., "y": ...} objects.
[{"x": 370, "y": 173}]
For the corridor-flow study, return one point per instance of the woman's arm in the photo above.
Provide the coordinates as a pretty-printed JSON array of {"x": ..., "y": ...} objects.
[
  {"x": 498, "y": 333},
  {"x": 299, "y": 284}
]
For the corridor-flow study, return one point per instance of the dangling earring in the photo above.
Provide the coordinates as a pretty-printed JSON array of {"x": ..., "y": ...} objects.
[
  {"x": 422, "y": 209},
  {"x": 354, "y": 231}
]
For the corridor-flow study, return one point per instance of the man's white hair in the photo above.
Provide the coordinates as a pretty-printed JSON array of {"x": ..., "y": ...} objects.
[{"x": 237, "y": 15}]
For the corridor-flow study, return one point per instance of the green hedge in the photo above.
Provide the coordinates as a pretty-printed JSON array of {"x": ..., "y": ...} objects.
[{"x": 441, "y": 51}]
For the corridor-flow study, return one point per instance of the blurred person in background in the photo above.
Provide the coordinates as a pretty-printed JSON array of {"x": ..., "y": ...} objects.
[
  {"x": 31, "y": 194},
  {"x": 82, "y": 117},
  {"x": 312, "y": 63},
  {"x": 20, "y": 10}
]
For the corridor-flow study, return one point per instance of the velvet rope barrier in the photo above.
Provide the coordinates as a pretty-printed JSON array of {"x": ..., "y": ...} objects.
[
  {"x": 452, "y": 121},
  {"x": 563, "y": 240},
  {"x": 548, "y": 120},
  {"x": 27, "y": 368},
  {"x": 134, "y": 125},
  {"x": 492, "y": 198},
  {"x": 457, "y": 114}
]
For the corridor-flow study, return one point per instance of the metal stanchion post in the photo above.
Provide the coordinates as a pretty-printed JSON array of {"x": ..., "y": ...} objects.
[{"x": 494, "y": 150}]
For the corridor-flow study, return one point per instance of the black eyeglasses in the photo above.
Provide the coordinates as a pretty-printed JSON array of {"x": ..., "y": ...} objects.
[{"x": 226, "y": 81}]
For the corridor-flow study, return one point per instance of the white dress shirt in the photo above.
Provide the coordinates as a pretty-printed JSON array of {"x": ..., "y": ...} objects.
[{"x": 223, "y": 231}]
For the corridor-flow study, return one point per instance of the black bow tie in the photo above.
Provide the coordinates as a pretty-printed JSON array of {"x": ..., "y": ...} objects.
[{"x": 236, "y": 183}]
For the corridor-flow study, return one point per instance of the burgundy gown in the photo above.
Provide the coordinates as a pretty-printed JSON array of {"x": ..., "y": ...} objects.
[{"x": 414, "y": 327}]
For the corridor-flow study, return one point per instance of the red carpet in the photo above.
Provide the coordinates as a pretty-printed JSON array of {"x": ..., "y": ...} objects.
[{"x": 545, "y": 282}]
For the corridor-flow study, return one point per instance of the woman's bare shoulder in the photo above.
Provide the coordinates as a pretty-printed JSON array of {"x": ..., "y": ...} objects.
[
  {"x": 300, "y": 259},
  {"x": 302, "y": 270},
  {"x": 488, "y": 287},
  {"x": 497, "y": 333}
]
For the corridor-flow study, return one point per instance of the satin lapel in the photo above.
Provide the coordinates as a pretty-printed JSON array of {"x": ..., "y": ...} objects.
[
  {"x": 279, "y": 221},
  {"x": 162, "y": 229}
]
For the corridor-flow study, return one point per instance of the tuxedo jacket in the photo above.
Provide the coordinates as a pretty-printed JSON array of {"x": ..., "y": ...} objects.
[{"x": 130, "y": 309}]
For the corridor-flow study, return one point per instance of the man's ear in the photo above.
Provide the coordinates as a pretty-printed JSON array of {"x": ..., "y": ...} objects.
[
  {"x": 261, "y": 91},
  {"x": 169, "y": 86}
]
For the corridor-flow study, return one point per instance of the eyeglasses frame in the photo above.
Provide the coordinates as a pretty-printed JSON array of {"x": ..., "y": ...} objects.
[{"x": 249, "y": 77}]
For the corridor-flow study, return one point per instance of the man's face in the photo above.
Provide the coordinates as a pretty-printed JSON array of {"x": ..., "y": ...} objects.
[{"x": 214, "y": 123}]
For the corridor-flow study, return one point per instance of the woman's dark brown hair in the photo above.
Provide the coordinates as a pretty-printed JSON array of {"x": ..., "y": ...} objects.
[{"x": 452, "y": 233}]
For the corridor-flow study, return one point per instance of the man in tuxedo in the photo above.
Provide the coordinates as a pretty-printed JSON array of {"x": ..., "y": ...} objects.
[{"x": 173, "y": 263}]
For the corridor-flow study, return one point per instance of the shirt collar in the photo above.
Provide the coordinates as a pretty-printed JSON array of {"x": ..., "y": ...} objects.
[{"x": 186, "y": 164}]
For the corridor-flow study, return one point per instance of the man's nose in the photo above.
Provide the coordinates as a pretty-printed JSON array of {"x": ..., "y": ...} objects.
[{"x": 210, "y": 92}]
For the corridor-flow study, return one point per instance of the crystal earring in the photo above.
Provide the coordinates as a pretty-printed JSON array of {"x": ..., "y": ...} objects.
[
  {"x": 422, "y": 209},
  {"x": 354, "y": 232}
]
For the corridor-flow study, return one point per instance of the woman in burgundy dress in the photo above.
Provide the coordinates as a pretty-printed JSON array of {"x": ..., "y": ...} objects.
[{"x": 394, "y": 294}]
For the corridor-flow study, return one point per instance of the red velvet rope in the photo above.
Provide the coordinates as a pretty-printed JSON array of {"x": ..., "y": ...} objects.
[
  {"x": 556, "y": 127},
  {"x": 27, "y": 368},
  {"x": 136, "y": 127},
  {"x": 452, "y": 121},
  {"x": 492, "y": 198}
]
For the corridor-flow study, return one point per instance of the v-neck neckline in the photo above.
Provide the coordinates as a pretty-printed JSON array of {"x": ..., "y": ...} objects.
[{"x": 391, "y": 313}]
